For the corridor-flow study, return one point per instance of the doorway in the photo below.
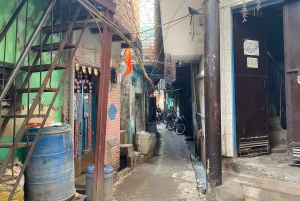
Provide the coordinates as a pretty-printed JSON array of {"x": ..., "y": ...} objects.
[{"x": 260, "y": 81}]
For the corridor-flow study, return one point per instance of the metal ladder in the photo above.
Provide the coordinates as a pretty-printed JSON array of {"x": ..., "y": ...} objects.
[{"x": 56, "y": 17}]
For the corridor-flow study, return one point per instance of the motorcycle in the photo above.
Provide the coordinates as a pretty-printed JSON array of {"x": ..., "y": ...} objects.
[
  {"x": 158, "y": 115},
  {"x": 170, "y": 118},
  {"x": 178, "y": 125}
]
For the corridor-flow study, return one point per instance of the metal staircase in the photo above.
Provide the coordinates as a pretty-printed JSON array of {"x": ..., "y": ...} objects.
[{"x": 57, "y": 19}]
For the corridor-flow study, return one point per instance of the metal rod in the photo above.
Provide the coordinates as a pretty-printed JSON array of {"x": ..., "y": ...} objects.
[
  {"x": 102, "y": 108},
  {"x": 50, "y": 106},
  {"x": 24, "y": 84},
  {"x": 39, "y": 94},
  {"x": 280, "y": 97},
  {"x": 12, "y": 19},
  {"x": 277, "y": 66},
  {"x": 212, "y": 97},
  {"x": 27, "y": 49}
]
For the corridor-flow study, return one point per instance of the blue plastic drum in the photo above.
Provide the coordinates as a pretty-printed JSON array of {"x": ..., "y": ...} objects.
[{"x": 50, "y": 171}]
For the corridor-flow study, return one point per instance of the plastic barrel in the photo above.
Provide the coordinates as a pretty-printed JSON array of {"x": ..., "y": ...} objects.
[
  {"x": 50, "y": 171},
  {"x": 108, "y": 181}
]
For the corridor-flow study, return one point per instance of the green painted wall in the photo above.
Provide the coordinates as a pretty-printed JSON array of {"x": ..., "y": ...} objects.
[{"x": 12, "y": 47}]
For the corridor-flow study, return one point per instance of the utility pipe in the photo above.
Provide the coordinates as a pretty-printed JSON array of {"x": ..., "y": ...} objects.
[{"x": 212, "y": 97}]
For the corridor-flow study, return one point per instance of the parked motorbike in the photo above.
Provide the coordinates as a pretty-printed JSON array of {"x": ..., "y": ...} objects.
[
  {"x": 178, "y": 125},
  {"x": 158, "y": 115},
  {"x": 170, "y": 118}
]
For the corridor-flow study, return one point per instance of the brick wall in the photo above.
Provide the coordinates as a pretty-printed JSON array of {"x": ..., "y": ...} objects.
[
  {"x": 128, "y": 14},
  {"x": 112, "y": 155}
]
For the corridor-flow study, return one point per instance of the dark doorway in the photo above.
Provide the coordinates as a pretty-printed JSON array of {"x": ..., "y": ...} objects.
[
  {"x": 260, "y": 89},
  {"x": 250, "y": 55}
]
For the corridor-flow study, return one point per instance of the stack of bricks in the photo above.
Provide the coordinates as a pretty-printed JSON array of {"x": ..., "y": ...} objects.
[{"x": 128, "y": 14}]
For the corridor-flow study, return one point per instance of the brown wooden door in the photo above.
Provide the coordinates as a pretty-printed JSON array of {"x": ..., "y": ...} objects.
[
  {"x": 250, "y": 57},
  {"x": 292, "y": 66}
]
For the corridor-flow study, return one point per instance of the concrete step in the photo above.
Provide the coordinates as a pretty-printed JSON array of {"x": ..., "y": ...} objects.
[
  {"x": 246, "y": 188},
  {"x": 275, "y": 166}
]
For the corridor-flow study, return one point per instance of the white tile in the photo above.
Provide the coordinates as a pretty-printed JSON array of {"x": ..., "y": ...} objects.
[
  {"x": 228, "y": 126},
  {"x": 227, "y": 18},
  {"x": 228, "y": 103},
  {"x": 229, "y": 145},
  {"x": 221, "y": 18},
  {"x": 227, "y": 60},
  {"x": 222, "y": 77},
  {"x": 228, "y": 82},
  {"x": 228, "y": 39}
]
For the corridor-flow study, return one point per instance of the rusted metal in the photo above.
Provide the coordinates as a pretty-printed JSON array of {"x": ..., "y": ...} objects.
[
  {"x": 19, "y": 145},
  {"x": 108, "y": 4},
  {"x": 12, "y": 19},
  {"x": 26, "y": 51},
  {"x": 102, "y": 108},
  {"x": 212, "y": 98},
  {"x": 291, "y": 29},
  {"x": 54, "y": 96},
  {"x": 39, "y": 94},
  {"x": 251, "y": 87}
]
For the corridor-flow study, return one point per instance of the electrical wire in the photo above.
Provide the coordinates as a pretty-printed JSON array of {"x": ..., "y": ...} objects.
[
  {"x": 157, "y": 26},
  {"x": 168, "y": 27},
  {"x": 87, "y": 5}
]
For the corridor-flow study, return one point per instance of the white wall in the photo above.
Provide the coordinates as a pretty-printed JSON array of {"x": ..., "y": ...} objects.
[{"x": 178, "y": 41}]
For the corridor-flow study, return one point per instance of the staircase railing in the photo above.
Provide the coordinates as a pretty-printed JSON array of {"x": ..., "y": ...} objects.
[
  {"x": 282, "y": 81},
  {"x": 26, "y": 51}
]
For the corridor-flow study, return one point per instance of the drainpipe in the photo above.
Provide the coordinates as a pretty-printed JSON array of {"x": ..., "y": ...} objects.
[
  {"x": 212, "y": 97},
  {"x": 102, "y": 108}
]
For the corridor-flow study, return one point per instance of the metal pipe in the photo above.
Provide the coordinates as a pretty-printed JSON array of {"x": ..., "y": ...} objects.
[
  {"x": 212, "y": 97},
  {"x": 12, "y": 19},
  {"x": 26, "y": 51},
  {"x": 51, "y": 103},
  {"x": 102, "y": 108},
  {"x": 276, "y": 65}
]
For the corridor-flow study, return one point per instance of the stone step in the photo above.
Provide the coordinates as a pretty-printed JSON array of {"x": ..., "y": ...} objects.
[
  {"x": 246, "y": 188},
  {"x": 275, "y": 166}
]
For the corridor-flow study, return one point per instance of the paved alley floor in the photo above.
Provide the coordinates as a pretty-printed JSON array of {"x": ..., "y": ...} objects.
[{"x": 170, "y": 176}]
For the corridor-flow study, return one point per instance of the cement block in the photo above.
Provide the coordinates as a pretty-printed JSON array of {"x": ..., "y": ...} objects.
[
  {"x": 122, "y": 136},
  {"x": 126, "y": 149},
  {"x": 131, "y": 161}
]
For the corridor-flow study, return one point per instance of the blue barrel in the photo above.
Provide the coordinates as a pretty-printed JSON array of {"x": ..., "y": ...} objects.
[
  {"x": 50, "y": 171},
  {"x": 108, "y": 181}
]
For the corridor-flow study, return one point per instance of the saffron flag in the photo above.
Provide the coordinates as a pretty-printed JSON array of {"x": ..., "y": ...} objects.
[{"x": 128, "y": 61}]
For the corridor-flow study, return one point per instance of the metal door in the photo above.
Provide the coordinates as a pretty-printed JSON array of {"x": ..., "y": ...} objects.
[
  {"x": 250, "y": 57},
  {"x": 292, "y": 66}
]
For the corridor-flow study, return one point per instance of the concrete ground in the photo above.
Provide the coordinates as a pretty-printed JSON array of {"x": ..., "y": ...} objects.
[
  {"x": 170, "y": 176},
  {"x": 272, "y": 166},
  {"x": 237, "y": 187}
]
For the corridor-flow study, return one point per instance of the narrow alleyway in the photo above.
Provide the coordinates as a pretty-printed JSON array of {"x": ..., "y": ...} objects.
[{"x": 170, "y": 176}]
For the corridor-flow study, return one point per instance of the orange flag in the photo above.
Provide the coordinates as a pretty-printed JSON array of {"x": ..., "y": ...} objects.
[{"x": 128, "y": 61}]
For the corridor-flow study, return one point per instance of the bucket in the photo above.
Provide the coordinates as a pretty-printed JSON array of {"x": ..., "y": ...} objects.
[
  {"x": 143, "y": 142},
  {"x": 50, "y": 171},
  {"x": 108, "y": 181}
]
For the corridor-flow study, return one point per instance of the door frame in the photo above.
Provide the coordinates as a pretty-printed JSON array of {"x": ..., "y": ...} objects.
[{"x": 233, "y": 11}]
